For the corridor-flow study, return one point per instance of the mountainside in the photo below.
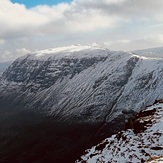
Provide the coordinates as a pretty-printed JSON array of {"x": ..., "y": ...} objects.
[
  {"x": 74, "y": 97},
  {"x": 87, "y": 83},
  {"x": 142, "y": 143}
]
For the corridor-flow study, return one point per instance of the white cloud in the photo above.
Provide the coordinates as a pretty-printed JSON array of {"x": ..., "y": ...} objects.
[
  {"x": 17, "y": 19},
  {"x": 11, "y": 55},
  {"x": 117, "y": 23},
  {"x": 2, "y": 41},
  {"x": 130, "y": 45}
]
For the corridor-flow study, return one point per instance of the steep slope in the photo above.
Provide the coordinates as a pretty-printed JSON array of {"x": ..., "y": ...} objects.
[
  {"x": 74, "y": 97},
  {"x": 83, "y": 82},
  {"x": 141, "y": 143},
  {"x": 68, "y": 79}
]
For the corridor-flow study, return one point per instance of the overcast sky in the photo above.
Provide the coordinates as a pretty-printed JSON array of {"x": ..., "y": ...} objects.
[{"x": 116, "y": 24}]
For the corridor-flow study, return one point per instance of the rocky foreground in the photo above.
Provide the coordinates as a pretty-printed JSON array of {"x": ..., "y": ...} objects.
[{"x": 143, "y": 142}]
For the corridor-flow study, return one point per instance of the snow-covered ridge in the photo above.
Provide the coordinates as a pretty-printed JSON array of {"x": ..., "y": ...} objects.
[
  {"x": 81, "y": 51},
  {"x": 143, "y": 142},
  {"x": 92, "y": 50},
  {"x": 73, "y": 51}
]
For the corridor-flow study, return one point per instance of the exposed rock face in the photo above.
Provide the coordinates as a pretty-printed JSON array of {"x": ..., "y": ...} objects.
[{"x": 144, "y": 141}]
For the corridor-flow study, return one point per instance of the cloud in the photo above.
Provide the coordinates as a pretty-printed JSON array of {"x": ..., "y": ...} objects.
[
  {"x": 62, "y": 18},
  {"x": 2, "y": 41},
  {"x": 130, "y": 45},
  {"x": 78, "y": 16},
  {"x": 81, "y": 21},
  {"x": 12, "y": 55},
  {"x": 17, "y": 19}
]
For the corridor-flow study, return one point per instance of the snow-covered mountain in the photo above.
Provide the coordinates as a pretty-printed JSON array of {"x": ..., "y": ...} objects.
[
  {"x": 84, "y": 82},
  {"x": 73, "y": 95},
  {"x": 142, "y": 143}
]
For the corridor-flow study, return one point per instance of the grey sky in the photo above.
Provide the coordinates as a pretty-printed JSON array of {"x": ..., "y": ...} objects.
[{"x": 116, "y": 24}]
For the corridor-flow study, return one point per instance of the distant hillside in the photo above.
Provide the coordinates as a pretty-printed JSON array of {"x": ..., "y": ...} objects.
[
  {"x": 151, "y": 52},
  {"x": 4, "y": 66}
]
